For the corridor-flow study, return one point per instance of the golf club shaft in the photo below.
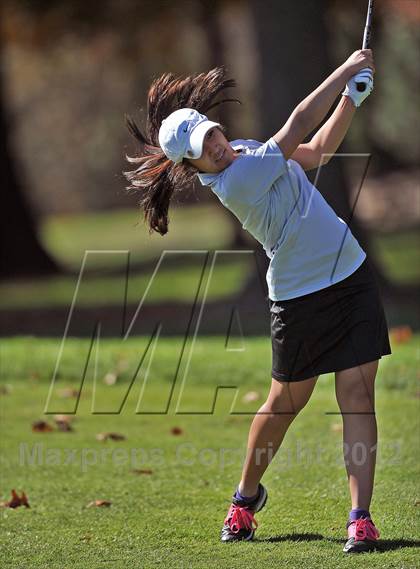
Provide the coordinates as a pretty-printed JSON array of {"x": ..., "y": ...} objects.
[{"x": 366, "y": 38}]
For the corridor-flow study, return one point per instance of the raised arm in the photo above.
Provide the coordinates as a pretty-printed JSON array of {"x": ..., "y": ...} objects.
[
  {"x": 328, "y": 138},
  {"x": 313, "y": 109}
]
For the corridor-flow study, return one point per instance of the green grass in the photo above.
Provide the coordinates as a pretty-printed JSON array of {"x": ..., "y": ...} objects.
[
  {"x": 173, "y": 516},
  {"x": 198, "y": 227},
  {"x": 201, "y": 227},
  {"x": 399, "y": 254},
  {"x": 177, "y": 284}
]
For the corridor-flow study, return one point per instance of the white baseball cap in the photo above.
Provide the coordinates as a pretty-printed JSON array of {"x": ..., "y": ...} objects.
[{"x": 181, "y": 134}]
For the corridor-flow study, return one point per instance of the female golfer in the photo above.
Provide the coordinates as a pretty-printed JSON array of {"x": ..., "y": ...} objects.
[{"x": 326, "y": 313}]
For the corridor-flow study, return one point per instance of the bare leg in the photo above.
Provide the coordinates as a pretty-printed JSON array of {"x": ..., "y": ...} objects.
[
  {"x": 356, "y": 398},
  {"x": 269, "y": 426}
]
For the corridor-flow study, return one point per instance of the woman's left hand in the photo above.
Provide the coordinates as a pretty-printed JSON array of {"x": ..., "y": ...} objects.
[{"x": 358, "y": 60}]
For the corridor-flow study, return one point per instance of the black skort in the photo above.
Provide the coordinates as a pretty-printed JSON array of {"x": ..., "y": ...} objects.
[{"x": 335, "y": 328}]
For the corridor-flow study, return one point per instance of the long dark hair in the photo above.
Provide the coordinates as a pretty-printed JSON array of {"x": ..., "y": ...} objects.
[{"x": 156, "y": 177}]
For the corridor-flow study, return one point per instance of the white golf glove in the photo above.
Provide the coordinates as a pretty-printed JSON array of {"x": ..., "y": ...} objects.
[{"x": 364, "y": 76}]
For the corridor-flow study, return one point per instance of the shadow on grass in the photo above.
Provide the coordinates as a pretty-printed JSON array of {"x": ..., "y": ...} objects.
[
  {"x": 387, "y": 544},
  {"x": 384, "y": 544}
]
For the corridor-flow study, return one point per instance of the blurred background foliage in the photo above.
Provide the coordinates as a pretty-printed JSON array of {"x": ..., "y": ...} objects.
[{"x": 70, "y": 70}]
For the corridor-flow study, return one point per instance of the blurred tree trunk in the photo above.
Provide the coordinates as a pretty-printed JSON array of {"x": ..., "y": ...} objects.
[
  {"x": 21, "y": 253},
  {"x": 210, "y": 22},
  {"x": 292, "y": 44}
]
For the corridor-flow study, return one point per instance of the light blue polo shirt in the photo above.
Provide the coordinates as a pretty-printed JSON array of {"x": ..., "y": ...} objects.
[{"x": 309, "y": 246}]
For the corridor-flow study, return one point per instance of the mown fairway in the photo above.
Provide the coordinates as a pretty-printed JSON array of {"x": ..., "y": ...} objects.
[{"x": 170, "y": 489}]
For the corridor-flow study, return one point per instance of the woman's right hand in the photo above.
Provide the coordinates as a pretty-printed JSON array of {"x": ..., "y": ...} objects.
[{"x": 358, "y": 60}]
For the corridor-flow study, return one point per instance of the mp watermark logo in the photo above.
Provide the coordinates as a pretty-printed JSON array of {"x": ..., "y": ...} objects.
[{"x": 181, "y": 370}]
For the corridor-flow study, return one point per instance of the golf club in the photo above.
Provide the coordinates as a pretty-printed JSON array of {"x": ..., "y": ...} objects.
[{"x": 366, "y": 39}]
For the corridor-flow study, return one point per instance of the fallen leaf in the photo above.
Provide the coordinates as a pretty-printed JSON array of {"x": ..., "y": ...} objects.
[
  {"x": 63, "y": 422},
  {"x": 251, "y": 396},
  {"x": 41, "y": 427},
  {"x": 68, "y": 393},
  {"x": 176, "y": 431},
  {"x": 112, "y": 436},
  {"x": 64, "y": 418},
  {"x": 110, "y": 378},
  {"x": 417, "y": 503},
  {"x": 5, "y": 389},
  {"x": 401, "y": 334},
  {"x": 142, "y": 471},
  {"x": 16, "y": 501},
  {"x": 99, "y": 504},
  {"x": 337, "y": 427}
]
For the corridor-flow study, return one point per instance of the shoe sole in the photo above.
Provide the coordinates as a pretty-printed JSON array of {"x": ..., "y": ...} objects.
[
  {"x": 360, "y": 548},
  {"x": 250, "y": 537}
]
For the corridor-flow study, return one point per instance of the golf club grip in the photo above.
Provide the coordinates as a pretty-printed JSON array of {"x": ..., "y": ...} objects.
[{"x": 366, "y": 39}]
